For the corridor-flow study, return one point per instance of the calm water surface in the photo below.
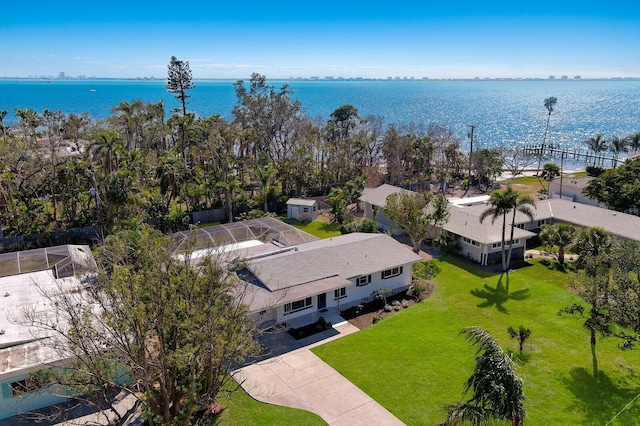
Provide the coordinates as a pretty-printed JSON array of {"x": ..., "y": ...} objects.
[{"x": 505, "y": 113}]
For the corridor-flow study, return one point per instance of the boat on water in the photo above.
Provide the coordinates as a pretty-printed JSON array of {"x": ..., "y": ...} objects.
[{"x": 92, "y": 90}]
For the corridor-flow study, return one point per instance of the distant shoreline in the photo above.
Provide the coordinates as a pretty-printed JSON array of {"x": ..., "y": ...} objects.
[{"x": 329, "y": 79}]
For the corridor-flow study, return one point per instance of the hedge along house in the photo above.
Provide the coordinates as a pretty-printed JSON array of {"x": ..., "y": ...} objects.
[
  {"x": 24, "y": 276},
  {"x": 295, "y": 278},
  {"x": 302, "y": 209}
]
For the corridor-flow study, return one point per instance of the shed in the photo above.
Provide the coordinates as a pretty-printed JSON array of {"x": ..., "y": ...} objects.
[{"x": 302, "y": 209}]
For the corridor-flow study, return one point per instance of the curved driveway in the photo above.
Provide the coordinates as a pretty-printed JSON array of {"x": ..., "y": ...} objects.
[{"x": 300, "y": 379}]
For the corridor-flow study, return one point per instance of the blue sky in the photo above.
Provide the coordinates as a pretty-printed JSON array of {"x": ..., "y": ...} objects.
[{"x": 281, "y": 39}]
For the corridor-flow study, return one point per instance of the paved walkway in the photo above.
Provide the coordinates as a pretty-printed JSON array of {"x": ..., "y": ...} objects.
[{"x": 300, "y": 379}]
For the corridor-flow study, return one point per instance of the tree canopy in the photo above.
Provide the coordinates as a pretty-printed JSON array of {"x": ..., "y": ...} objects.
[
  {"x": 179, "y": 81},
  {"x": 152, "y": 327},
  {"x": 619, "y": 188},
  {"x": 417, "y": 213}
]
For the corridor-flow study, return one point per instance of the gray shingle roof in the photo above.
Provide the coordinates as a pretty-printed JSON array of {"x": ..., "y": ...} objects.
[
  {"x": 466, "y": 222},
  {"x": 378, "y": 196},
  {"x": 346, "y": 256},
  {"x": 621, "y": 224}
]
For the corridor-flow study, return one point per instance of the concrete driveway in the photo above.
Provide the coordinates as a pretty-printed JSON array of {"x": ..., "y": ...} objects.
[{"x": 300, "y": 379}]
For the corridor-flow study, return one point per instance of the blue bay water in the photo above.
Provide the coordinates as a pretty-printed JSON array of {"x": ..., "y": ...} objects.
[{"x": 505, "y": 113}]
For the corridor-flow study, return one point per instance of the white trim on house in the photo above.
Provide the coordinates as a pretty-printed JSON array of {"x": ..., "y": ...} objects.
[{"x": 355, "y": 265}]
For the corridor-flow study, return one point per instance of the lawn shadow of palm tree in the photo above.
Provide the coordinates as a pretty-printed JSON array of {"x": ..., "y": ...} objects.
[
  {"x": 499, "y": 295},
  {"x": 470, "y": 266},
  {"x": 603, "y": 400}
]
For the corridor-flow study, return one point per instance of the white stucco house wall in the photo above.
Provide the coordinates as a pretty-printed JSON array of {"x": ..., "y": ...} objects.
[
  {"x": 300, "y": 285},
  {"x": 302, "y": 209},
  {"x": 292, "y": 277},
  {"x": 571, "y": 190}
]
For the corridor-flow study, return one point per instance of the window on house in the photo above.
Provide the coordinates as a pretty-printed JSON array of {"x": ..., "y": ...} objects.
[
  {"x": 363, "y": 280},
  {"x": 391, "y": 272},
  {"x": 305, "y": 209},
  {"x": 340, "y": 293},
  {"x": 298, "y": 305},
  {"x": 496, "y": 245},
  {"x": 470, "y": 241}
]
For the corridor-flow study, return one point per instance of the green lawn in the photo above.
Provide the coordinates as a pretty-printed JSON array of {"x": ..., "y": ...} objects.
[
  {"x": 241, "y": 410},
  {"x": 318, "y": 228},
  {"x": 415, "y": 363}
]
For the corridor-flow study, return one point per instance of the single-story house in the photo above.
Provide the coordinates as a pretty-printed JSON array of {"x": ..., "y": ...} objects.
[
  {"x": 571, "y": 190},
  {"x": 302, "y": 209},
  {"x": 293, "y": 277},
  {"x": 622, "y": 225},
  {"x": 297, "y": 286},
  {"x": 23, "y": 277}
]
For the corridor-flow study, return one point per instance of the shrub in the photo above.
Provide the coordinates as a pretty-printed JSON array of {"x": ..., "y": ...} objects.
[
  {"x": 426, "y": 270},
  {"x": 417, "y": 290},
  {"x": 594, "y": 171}
]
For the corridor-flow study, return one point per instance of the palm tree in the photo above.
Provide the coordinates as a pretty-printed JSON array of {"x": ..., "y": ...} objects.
[
  {"x": 597, "y": 144},
  {"x": 29, "y": 121},
  {"x": 108, "y": 144},
  {"x": 522, "y": 203},
  {"x": 497, "y": 390},
  {"x": 501, "y": 203},
  {"x": 265, "y": 174},
  {"x": 618, "y": 145},
  {"x": 590, "y": 244},
  {"x": 634, "y": 141},
  {"x": 560, "y": 234},
  {"x": 549, "y": 103},
  {"x": 170, "y": 172}
]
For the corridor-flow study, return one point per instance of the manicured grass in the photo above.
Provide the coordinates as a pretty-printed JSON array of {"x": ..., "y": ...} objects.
[
  {"x": 415, "y": 363},
  {"x": 318, "y": 228},
  {"x": 524, "y": 180},
  {"x": 241, "y": 410},
  {"x": 208, "y": 224}
]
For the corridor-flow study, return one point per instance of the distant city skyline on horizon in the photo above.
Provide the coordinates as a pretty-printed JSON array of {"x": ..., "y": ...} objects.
[{"x": 289, "y": 40}]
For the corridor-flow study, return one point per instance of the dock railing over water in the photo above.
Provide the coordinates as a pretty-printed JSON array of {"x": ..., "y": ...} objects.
[{"x": 588, "y": 158}]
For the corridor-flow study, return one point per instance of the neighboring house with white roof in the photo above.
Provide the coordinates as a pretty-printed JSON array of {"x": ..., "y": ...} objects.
[
  {"x": 302, "y": 209},
  {"x": 24, "y": 276},
  {"x": 571, "y": 190}
]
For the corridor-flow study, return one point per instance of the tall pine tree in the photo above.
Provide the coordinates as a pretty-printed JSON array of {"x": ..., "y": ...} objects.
[{"x": 179, "y": 80}]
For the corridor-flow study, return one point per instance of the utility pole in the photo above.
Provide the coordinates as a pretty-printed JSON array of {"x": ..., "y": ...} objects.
[
  {"x": 470, "y": 160},
  {"x": 561, "y": 171}
]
